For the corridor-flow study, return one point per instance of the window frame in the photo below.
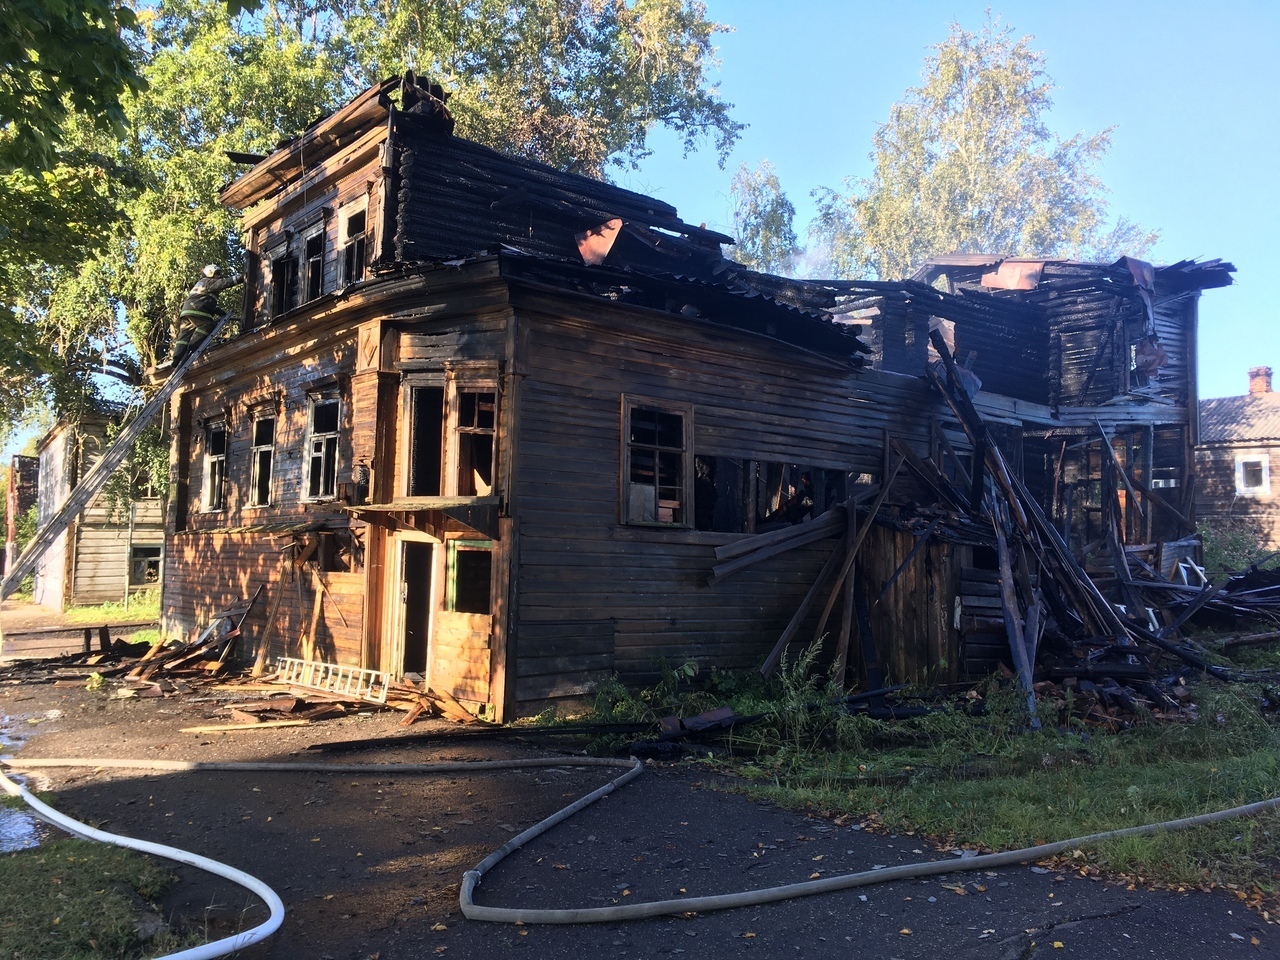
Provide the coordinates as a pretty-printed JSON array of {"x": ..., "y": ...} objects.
[
  {"x": 409, "y": 480},
  {"x": 311, "y": 269},
  {"x": 350, "y": 258},
  {"x": 453, "y": 548},
  {"x": 630, "y": 404},
  {"x": 1244, "y": 460},
  {"x": 256, "y": 450},
  {"x": 282, "y": 297},
  {"x": 134, "y": 560},
  {"x": 458, "y": 388},
  {"x": 329, "y": 470},
  {"x": 214, "y": 496}
]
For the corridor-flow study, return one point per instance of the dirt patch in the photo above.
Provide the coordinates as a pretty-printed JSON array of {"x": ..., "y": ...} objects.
[{"x": 369, "y": 865}]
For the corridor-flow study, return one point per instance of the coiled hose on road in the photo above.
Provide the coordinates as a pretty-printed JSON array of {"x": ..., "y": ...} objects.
[{"x": 472, "y": 878}]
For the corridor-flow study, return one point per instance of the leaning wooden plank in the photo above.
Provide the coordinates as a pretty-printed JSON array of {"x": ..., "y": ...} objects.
[
  {"x": 1012, "y": 615},
  {"x": 792, "y": 628},
  {"x": 234, "y": 727},
  {"x": 857, "y": 543},
  {"x": 833, "y": 518},
  {"x": 264, "y": 642},
  {"x": 810, "y": 533}
]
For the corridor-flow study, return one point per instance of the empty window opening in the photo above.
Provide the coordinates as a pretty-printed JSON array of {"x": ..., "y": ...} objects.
[
  {"x": 322, "y": 465},
  {"x": 426, "y": 413},
  {"x": 263, "y": 454},
  {"x": 656, "y": 466},
  {"x": 353, "y": 248},
  {"x": 1253, "y": 475},
  {"x": 215, "y": 494},
  {"x": 470, "y": 570},
  {"x": 144, "y": 565},
  {"x": 284, "y": 283},
  {"x": 475, "y": 433},
  {"x": 315, "y": 264}
]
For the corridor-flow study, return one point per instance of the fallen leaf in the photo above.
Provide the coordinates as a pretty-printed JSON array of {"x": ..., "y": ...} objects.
[
  {"x": 748, "y": 935},
  {"x": 438, "y": 927},
  {"x": 1058, "y": 944},
  {"x": 905, "y": 931}
]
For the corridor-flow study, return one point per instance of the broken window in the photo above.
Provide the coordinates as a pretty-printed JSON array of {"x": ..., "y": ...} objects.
[
  {"x": 732, "y": 495},
  {"x": 475, "y": 432},
  {"x": 215, "y": 473},
  {"x": 322, "y": 445},
  {"x": 657, "y": 464},
  {"x": 284, "y": 281},
  {"x": 353, "y": 247},
  {"x": 144, "y": 565},
  {"x": 313, "y": 258},
  {"x": 426, "y": 439},
  {"x": 263, "y": 456},
  {"x": 470, "y": 567},
  {"x": 1253, "y": 475}
]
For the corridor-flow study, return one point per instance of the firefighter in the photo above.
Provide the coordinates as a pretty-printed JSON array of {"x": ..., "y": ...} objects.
[{"x": 199, "y": 314}]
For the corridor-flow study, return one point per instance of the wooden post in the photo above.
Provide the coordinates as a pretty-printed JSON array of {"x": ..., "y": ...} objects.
[{"x": 104, "y": 638}]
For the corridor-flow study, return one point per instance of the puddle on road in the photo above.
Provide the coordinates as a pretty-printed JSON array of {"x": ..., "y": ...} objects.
[{"x": 19, "y": 830}]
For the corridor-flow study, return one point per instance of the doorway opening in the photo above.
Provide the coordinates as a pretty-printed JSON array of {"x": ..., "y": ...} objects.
[{"x": 415, "y": 596}]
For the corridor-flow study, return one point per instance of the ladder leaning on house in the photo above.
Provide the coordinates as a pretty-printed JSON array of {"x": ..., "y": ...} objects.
[{"x": 101, "y": 471}]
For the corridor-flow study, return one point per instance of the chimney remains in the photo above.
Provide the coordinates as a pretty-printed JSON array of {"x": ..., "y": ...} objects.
[{"x": 1259, "y": 380}]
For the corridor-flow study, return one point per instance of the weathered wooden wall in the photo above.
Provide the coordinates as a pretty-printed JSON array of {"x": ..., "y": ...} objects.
[
  {"x": 1217, "y": 500},
  {"x": 625, "y": 595}
]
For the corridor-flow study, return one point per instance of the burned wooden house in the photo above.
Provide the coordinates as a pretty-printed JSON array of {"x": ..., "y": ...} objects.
[
  {"x": 514, "y": 430},
  {"x": 1238, "y": 457}
]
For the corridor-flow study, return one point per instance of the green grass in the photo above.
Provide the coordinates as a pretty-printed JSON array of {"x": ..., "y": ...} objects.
[
  {"x": 988, "y": 782},
  {"x": 71, "y": 899},
  {"x": 143, "y": 605}
]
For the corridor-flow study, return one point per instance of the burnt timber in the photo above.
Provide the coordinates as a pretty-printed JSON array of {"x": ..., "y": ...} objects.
[{"x": 498, "y": 426}]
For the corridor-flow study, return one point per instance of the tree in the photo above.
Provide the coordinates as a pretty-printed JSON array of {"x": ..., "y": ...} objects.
[
  {"x": 61, "y": 58},
  {"x": 577, "y": 84},
  {"x": 763, "y": 220},
  {"x": 967, "y": 163}
]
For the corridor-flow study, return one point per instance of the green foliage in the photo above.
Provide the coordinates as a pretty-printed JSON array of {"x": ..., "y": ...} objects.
[
  {"x": 61, "y": 57},
  {"x": 143, "y": 605},
  {"x": 763, "y": 221},
  {"x": 576, "y": 85},
  {"x": 966, "y": 162},
  {"x": 1233, "y": 545},
  {"x": 72, "y": 899}
]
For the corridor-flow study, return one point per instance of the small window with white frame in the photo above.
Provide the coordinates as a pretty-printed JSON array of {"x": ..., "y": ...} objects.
[
  {"x": 215, "y": 468},
  {"x": 353, "y": 238},
  {"x": 263, "y": 459},
  {"x": 1253, "y": 474},
  {"x": 324, "y": 417}
]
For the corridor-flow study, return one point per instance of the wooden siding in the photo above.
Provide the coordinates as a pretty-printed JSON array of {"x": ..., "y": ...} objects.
[
  {"x": 209, "y": 571},
  {"x": 583, "y": 574},
  {"x": 1217, "y": 500}
]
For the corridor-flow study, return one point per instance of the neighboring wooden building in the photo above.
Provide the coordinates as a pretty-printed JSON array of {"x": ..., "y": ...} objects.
[
  {"x": 1238, "y": 460},
  {"x": 110, "y": 551},
  {"x": 488, "y": 423}
]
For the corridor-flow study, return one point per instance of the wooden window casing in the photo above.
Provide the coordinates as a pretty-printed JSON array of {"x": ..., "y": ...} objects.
[
  {"x": 657, "y": 463},
  {"x": 313, "y": 262},
  {"x": 474, "y": 434},
  {"x": 145, "y": 565},
  {"x": 215, "y": 467},
  {"x": 354, "y": 240},
  {"x": 284, "y": 281},
  {"x": 324, "y": 422},
  {"x": 262, "y": 456},
  {"x": 426, "y": 418},
  {"x": 1253, "y": 475},
  {"x": 468, "y": 575}
]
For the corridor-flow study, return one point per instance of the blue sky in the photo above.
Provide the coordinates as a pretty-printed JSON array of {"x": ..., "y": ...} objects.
[{"x": 1192, "y": 90}]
